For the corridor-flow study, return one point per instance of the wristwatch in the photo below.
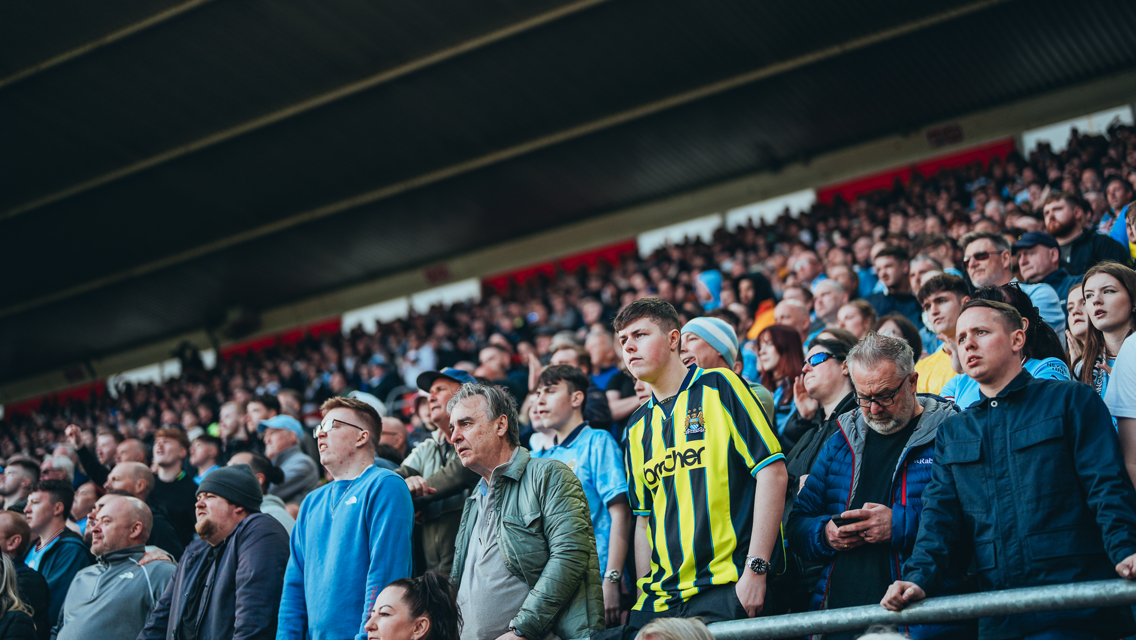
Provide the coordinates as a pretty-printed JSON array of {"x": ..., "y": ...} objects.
[
  {"x": 613, "y": 576},
  {"x": 758, "y": 565},
  {"x": 516, "y": 631}
]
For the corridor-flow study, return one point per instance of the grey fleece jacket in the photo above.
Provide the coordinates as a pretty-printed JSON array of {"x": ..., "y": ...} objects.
[{"x": 112, "y": 599}]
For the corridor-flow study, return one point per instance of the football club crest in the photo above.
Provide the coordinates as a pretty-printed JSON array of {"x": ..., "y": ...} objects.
[{"x": 695, "y": 423}]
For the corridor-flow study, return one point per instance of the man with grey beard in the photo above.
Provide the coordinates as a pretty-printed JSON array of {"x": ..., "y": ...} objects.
[{"x": 861, "y": 503}]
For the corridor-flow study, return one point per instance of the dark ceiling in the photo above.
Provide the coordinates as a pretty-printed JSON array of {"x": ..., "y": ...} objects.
[{"x": 255, "y": 152}]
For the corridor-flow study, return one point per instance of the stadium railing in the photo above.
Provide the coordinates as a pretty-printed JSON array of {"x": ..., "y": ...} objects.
[{"x": 1081, "y": 595}]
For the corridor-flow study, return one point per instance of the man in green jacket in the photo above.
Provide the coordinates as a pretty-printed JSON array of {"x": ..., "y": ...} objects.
[{"x": 526, "y": 533}]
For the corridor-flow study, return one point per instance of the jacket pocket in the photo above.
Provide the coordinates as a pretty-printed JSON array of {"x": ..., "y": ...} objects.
[
  {"x": 526, "y": 544},
  {"x": 1060, "y": 543},
  {"x": 964, "y": 457},
  {"x": 985, "y": 555},
  {"x": 1042, "y": 461},
  {"x": 1041, "y": 431}
]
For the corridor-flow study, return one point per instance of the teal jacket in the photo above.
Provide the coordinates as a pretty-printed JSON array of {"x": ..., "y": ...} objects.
[{"x": 544, "y": 531}]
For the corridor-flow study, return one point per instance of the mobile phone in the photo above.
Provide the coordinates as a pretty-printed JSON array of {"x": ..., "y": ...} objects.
[{"x": 840, "y": 522}]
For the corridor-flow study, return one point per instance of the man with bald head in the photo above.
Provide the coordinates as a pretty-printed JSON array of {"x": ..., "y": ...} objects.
[
  {"x": 131, "y": 450},
  {"x": 135, "y": 479},
  {"x": 829, "y": 296},
  {"x": 795, "y": 315},
  {"x": 113, "y": 598},
  {"x": 394, "y": 434},
  {"x": 15, "y": 538}
]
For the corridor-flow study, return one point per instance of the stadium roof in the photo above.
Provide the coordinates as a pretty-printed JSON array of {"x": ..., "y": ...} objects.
[{"x": 162, "y": 163}]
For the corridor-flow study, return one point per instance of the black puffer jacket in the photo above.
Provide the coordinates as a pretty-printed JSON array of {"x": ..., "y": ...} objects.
[
  {"x": 17, "y": 625},
  {"x": 810, "y": 436},
  {"x": 799, "y": 462}
]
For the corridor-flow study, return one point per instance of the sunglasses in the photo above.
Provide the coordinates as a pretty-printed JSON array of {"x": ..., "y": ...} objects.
[
  {"x": 980, "y": 256},
  {"x": 818, "y": 359},
  {"x": 329, "y": 423}
]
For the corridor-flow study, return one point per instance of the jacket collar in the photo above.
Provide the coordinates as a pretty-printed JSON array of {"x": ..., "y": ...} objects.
[
  {"x": 1085, "y": 238},
  {"x": 516, "y": 468},
  {"x": 1021, "y": 380},
  {"x": 122, "y": 555},
  {"x": 846, "y": 405},
  {"x": 936, "y": 411},
  {"x": 1056, "y": 277}
]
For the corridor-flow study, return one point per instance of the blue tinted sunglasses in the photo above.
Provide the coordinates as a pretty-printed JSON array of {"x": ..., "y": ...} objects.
[{"x": 817, "y": 359}]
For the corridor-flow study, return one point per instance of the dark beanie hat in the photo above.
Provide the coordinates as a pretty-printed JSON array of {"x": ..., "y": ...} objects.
[{"x": 237, "y": 484}]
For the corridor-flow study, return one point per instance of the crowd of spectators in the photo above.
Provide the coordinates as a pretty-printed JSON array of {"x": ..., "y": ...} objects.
[{"x": 268, "y": 447}]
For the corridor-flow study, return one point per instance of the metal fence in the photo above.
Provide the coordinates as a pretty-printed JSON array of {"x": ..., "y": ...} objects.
[{"x": 1082, "y": 595}]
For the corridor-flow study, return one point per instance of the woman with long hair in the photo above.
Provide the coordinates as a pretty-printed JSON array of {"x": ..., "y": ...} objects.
[
  {"x": 780, "y": 358},
  {"x": 422, "y": 608},
  {"x": 1078, "y": 323},
  {"x": 1109, "y": 291},
  {"x": 15, "y": 617}
]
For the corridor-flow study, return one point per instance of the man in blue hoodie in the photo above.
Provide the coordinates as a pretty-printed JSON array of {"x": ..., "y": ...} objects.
[
  {"x": 57, "y": 552},
  {"x": 352, "y": 537}
]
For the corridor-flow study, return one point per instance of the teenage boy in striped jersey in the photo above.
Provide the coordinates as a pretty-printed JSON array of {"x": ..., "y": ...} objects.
[{"x": 706, "y": 480}]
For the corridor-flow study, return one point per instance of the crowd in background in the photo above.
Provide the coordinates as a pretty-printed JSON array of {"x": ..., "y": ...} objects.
[
  {"x": 775, "y": 300},
  {"x": 1005, "y": 196}
]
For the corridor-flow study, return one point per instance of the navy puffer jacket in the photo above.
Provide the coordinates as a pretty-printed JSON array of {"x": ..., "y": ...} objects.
[{"x": 831, "y": 486}]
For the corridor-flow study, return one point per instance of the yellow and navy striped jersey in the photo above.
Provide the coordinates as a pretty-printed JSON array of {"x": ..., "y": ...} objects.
[{"x": 690, "y": 471}]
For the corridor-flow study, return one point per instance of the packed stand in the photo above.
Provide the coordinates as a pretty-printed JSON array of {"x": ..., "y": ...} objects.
[{"x": 928, "y": 390}]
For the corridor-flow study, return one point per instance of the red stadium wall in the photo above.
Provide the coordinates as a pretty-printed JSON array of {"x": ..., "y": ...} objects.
[
  {"x": 289, "y": 337},
  {"x": 885, "y": 179},
  {"x": 610, "y": 254}
]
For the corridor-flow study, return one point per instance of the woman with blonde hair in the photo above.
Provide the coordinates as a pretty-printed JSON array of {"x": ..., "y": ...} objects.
[
  {"x": 15, "y": 618},
  {"x": 675, "y": 629}
]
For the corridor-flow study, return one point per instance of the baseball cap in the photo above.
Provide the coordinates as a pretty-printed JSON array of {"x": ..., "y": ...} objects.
[
  {"x": 281, "y": 422},
  {"x": 427, "y": 378},
  {"x": 1034, "y": 238}
]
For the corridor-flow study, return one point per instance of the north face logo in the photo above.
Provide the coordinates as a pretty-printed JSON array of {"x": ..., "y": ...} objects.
[{"x": 672, "y": 460}]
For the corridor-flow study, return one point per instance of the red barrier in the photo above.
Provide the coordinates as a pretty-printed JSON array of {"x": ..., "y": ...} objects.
[
  {"x": 284, "y": 338},
  {"x": 610, "y": 254},
  {"x": 929, "y": 167}
]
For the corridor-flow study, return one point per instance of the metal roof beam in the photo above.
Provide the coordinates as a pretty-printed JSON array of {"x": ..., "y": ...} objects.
[
  {"x": 836, "y": 166},
  {"x": 102, "y": 41},
  {"x": 505, "y": 154},
  {"x": 315, "y": 102}
]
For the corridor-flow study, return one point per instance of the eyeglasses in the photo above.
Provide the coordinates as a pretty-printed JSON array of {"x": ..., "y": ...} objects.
[
  {"x": 883, "y": 400},
  {"x": 818, "y": 359},
  {"x": 980, "y": 256},
  {"x": 328, "y": 424}
]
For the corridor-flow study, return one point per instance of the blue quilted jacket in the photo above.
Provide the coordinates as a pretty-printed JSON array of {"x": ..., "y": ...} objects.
[{"x": 831, "y": 486}]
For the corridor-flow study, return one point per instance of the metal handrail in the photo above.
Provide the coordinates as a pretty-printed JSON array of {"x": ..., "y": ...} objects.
[{"x": 1080, "y": 595}]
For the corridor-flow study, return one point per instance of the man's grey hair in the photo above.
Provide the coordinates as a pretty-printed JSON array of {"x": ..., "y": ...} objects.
[
  {"x": 64, "y": 464},
  {"x": 875, "y": 349},
  {"x": 829, "y": 282},
  {"x": 998, "y": 239},
  {"x": 498, "y": 403}
]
